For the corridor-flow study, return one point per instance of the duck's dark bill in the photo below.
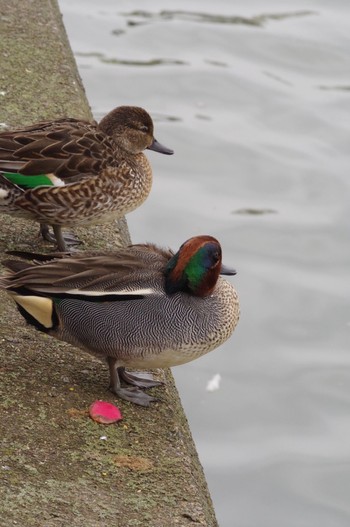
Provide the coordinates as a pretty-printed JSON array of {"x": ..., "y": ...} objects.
[
  {"x": 157, "y": 147},
  {"x": 227, "y": 270}
]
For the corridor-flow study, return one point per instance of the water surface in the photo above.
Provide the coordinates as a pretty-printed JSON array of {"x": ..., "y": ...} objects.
[{"x": 254, "y": 97}]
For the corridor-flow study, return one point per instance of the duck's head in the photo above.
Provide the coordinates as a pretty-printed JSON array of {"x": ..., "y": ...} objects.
[
  {"x": 196, "y": 266},
  {"x": 132, "y": 129}
]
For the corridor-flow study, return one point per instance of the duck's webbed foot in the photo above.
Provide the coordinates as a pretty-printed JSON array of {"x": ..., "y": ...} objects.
[
  {"x": 64, "y": 241},
  {"x": 134, "y": 395},
  {"x": 131, "y": 393},
  {"x": 46, "y": 234},
  {"x": 139, "y": 379}
]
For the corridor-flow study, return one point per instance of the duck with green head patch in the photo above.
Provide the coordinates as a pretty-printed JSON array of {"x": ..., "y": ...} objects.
[
  {"x": 142, "y": 307},
  {"x": 71, "y": 172}
]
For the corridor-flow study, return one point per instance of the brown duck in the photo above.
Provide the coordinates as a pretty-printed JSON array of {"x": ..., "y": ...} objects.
[{"x": 70, "y": 172}]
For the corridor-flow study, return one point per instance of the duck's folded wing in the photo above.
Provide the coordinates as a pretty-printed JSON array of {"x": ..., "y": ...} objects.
[
  {"x": 96, "y": 278},
  {"x": 63, "y": 148}
]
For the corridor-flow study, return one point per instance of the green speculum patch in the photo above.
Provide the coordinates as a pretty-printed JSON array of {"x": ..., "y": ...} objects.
[{"x": 28, "y": 181}]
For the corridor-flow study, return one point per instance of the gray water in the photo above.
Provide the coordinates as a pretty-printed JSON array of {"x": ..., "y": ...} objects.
[{"x": 254, "y": 97}]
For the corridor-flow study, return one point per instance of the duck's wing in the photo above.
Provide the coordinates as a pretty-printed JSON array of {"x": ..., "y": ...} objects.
[
  {"x": 65, "y": 148},
  {"x": 130, "y": 273}
]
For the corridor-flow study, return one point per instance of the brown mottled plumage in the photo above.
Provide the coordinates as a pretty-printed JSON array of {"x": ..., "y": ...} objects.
[{"x": 76, "y": 172}]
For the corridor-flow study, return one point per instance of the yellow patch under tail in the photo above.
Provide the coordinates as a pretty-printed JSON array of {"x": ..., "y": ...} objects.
[{"x": 38, "y": 307}]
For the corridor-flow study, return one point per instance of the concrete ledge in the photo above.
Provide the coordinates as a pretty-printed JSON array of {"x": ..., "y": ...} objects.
[{"x": 55, "y": 469}]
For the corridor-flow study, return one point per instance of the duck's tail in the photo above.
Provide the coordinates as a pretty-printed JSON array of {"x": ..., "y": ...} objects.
[{"x": 38, "y": 310}]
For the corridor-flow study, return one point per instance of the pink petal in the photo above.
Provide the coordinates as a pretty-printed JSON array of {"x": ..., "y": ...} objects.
[{"x": 105, "y": 413}]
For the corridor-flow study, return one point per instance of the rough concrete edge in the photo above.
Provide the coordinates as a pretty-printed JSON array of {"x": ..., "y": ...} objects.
[{"x": 39, "y": 83}]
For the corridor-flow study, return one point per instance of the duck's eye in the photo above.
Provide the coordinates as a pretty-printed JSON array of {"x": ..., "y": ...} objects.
[
  {"x": 216, "y": 256},
  {"x": 143, "y": 128}
]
